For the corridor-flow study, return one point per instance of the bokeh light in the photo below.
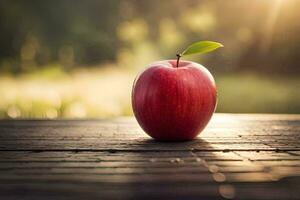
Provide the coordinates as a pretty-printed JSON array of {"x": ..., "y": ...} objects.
[{"x": 81, "y": 62}]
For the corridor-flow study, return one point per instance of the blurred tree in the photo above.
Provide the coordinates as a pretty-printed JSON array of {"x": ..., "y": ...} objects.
[
  {"x": 46, "y": 27},
  {"x": 258, "y": 35}
]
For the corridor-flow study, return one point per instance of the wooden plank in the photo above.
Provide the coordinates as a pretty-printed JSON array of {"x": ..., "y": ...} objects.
[
  {"x": 94, "y": 191},
  {"x": 237, "y": 156}
]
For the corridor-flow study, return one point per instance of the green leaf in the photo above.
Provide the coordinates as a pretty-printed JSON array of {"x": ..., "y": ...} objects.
[{"x": 201, "y": 47}]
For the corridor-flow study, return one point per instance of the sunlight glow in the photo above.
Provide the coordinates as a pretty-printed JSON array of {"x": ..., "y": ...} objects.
[{"x": 270, "y": 24}]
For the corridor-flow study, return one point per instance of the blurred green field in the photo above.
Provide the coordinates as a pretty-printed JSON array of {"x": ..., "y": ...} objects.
[
  {"x": 105, "y": 92},
  {"x": 254, "y": 93}
]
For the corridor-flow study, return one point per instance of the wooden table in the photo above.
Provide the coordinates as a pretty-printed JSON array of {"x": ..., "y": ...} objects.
[{"x": 236, "y": 157}]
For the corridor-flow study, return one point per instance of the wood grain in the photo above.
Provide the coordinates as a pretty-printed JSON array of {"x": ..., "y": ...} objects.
[{"x": 236, "y": 157}]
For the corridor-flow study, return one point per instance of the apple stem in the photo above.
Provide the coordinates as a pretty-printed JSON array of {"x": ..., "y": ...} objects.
[{"x": 178, "y": 57}]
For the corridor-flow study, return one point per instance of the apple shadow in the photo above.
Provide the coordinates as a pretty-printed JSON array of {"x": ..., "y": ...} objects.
[{"x": 149, "y": 144}]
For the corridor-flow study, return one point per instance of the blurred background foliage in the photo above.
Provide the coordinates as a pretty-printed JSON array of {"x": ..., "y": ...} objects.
[{"x": 73, "y": 58}]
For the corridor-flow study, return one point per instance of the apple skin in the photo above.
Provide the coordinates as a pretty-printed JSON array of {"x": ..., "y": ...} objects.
[{"x": 174, "y": 103}]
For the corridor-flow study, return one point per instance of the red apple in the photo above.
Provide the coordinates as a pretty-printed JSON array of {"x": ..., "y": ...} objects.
[{"x": 174, "y": 103}]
